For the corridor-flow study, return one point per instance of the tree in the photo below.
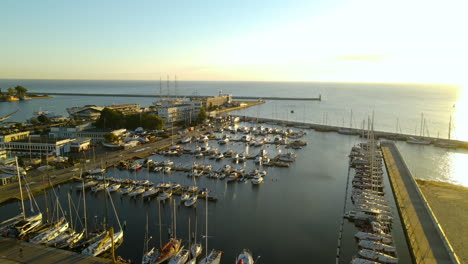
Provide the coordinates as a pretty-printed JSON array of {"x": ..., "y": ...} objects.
[
  {"x": 110, "y": 119},
  {"x": 20, "y": 91},
  {"x": 11, "y": 91},
  {"x": 34, "y": 121},
  {"x": 43, "y": 119},
  {"x": 110, "y": 137},
  {"x": 153, "y": 122},
  {"x": 202, "y": 115},
  {"x": 145, "y": 120}
]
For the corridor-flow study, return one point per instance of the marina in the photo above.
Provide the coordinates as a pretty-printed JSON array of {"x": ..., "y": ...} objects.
[{"x": 238, "y": 197}]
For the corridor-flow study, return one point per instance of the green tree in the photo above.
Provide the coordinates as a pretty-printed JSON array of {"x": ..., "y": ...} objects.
[
  {"x": 145, "y": 120},
  {"x": 43, "y": 119},
  {"x": 11, "y": 91},
  {"x": 202, "y": 115},
  {"x": 34, "y": 121},
  {"x": 20, "y": 91},
  {"x": 153, "y": 122},
  {"x": 110, "y": 119},
  {"x": 110, "y": 137}
]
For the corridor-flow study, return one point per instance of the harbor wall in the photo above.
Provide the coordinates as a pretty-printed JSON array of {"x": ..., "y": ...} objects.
[{"x": 425, "y": 237}]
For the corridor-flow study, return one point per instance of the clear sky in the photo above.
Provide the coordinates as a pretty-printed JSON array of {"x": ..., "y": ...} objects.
[{"x": 269, "y": 40}]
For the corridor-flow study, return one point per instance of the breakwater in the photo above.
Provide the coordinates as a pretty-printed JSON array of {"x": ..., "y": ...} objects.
[
  {"x": 439, "y": 142},
  {"x": 319, "y": 98},
  {"x": 425, "y": 237}
]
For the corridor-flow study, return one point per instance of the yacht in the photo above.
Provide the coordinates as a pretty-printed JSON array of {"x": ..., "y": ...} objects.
[
  {"x": 150, "y": 256},
  {"x": 245, "y": 257},
  {"x": 164, "y": 195},
  {"x": 138, "y": 191},
  {"x": 257, "y": 179},
  {"x": 213, "y": 258},
  {"x": 114, "y": 187},
  {"x": 51, "y": 233},
  {"x": 127, "y": 189},
  {"x": 181, "y": 257},
  {"x": 103, "y": 245},
  {"x": 169, "y": 250},
  {"x": 191, "y": 201}
]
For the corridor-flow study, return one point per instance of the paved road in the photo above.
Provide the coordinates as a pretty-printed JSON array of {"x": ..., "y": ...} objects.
[{"x": 437, "y": 242}]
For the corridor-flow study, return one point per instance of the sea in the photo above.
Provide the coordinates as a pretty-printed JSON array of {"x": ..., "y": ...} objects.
[{"x": 296, "y": 215}]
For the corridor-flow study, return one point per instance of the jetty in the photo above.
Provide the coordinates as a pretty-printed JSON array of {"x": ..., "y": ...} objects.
[
  {"x": 439, "y": 142},
  {"x": 319, "y": 98},
  {"x": 17, "y": 251},
  {"x": 425, "y": 237}
]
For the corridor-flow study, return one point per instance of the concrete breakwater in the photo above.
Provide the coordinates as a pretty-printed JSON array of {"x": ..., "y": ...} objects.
[
  {"x": 425, "y": 237},
  {"x": 440, "y": 142},
  {"x": 319, "y": 98}
]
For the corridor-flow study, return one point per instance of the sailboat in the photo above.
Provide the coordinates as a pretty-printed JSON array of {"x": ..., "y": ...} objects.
[
  {"x": 245, "y": 257},
  {"x": 421, "y": 140},
  {"x": 215, "y": 255},
  {"x": 181, "y": 257},
  {"x": 22, "y": 223},
  {"x": 195, "y": 248},
  {"x": 110, "y": 238},
  {"x": 171, "y": 248}
]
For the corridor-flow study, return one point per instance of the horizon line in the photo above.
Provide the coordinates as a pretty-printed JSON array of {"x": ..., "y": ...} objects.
[{"x": 297, "y": 81}]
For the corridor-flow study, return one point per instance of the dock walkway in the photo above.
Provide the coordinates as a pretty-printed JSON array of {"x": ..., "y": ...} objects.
[
  {"x": 15, "y": 251},
  {"x": 425, "y": 237}
]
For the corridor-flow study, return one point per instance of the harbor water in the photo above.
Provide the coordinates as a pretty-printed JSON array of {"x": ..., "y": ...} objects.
[
  {"x": 293, "y": 217},
  {"x": 396, "y": 108}
]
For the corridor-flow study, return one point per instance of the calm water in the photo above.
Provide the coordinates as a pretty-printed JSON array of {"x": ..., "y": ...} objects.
[
  {"x": 294, "y": 217},
  {"x": 392, "y": 104}
]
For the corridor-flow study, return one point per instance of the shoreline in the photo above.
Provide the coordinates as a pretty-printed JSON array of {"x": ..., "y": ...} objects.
[{"x": 449, "y": 203}]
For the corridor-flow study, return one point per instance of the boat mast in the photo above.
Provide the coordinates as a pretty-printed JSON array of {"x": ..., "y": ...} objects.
[
  {"x": 160, "y": 231},
  {"x": 206, "y": 228},
  {"x": 21, "y": 189},
  {"x": 450, "y": 126},
  {"x": 84, "y": 208}
]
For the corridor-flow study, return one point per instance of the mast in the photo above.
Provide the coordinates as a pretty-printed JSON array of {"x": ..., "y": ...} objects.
[
  {"x": 351, "y": 119},
  {"x": 206, "y": 227},
  {"x": 175, "y": 220},
  {"x": 159, "y": 214},
  {"x": 21, "y": 189},
  {"x": 450, "y": 126},
  {"x": 421, "y": 127},
  {"x": 168, "y": 92},
  {"x": 189, "y": 234},
  {"x": 84, "y": 208}
]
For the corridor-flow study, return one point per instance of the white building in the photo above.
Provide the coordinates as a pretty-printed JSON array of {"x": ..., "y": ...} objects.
[
  {"x": 85, "y": 131},
  {"x": 36, "y": 146},
  {"x": 183, "y": 111}
]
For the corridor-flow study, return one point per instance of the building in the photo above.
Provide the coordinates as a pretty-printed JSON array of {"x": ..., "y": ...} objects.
[
  {"x": 35, "y": 146},
  {"x": 126, "y": 109},
  {"x": 220, "y": 100},
  {"x": 85, "y": 131},
  {"x": 182, "y": 111},
  {"x": 92, "y": 112},
  {"x": 80, "y": 145},
  {"x": 87, "y": 112}
]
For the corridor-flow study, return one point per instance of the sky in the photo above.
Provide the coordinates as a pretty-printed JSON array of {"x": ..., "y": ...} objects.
[{"x": 411, "y": 41}]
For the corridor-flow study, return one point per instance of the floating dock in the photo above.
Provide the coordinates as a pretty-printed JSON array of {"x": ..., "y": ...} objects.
[
  {"x": 15, "y": 251},
  {"x": 425, "y": 237}
]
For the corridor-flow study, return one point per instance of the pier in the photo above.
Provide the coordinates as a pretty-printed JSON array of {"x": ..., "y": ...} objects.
[
  {"x": 319, "y": 98},
  {"x": 16, "y": 251},
  {"x": 439, "y": 142},
  {"x": 425, "y": 237}
]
